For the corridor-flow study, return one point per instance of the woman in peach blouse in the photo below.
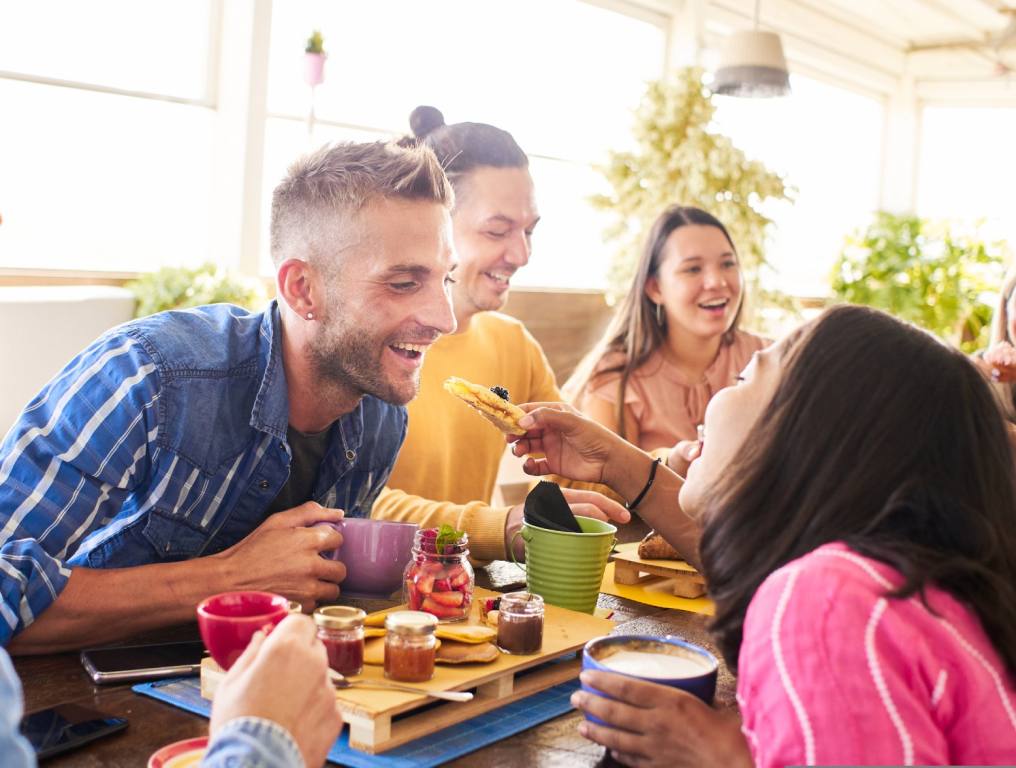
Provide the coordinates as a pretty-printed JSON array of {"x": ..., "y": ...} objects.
[{"x": 674, "y": 341}]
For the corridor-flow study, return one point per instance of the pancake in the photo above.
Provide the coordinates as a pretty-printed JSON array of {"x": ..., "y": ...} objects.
[{"x": 500, "y": 412}]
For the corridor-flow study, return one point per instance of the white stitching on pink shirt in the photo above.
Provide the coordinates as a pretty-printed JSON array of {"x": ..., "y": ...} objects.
[
  {"x": 781, "y": 665},
  {"x": 939, "y": 690},
  {"x": 992, "y": 672},
  {"x": 880, "y": 684}
]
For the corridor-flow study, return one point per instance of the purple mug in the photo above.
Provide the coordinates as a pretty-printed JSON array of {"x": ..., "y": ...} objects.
[{"x": 375, "y": 553}]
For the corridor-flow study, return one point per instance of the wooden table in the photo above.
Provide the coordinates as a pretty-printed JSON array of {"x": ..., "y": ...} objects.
[{"x": 57, "y": 678}]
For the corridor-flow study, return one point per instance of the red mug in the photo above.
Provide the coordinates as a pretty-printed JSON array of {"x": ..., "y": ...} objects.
[{"x": 228, "y": 621}]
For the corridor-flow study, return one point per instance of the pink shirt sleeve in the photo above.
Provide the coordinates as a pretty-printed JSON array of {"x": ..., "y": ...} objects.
[{"x": 831, "y": 673}]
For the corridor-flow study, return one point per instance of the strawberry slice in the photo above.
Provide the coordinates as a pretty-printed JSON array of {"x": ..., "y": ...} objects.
[
  {"x": 413, "y": 597},
  {"x": 461, "y": 579},
  {"x": 425, "y": 584},
  {"x": 442, "y": 585},
  {"x": 441, "y": 611},
  {"x": 448, "y": 598}
]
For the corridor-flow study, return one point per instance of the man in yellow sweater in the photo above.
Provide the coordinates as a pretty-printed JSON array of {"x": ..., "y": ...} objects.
[{"x": 448, "y": 465}]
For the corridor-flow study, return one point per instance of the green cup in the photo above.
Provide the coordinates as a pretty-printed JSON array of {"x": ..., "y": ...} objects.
[{"x": 564, "y": 568}]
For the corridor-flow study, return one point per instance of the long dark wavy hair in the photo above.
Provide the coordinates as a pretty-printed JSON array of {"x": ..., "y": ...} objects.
[
  {"x": 634, "y": 330},
  {"x": 880, "y": 436}
]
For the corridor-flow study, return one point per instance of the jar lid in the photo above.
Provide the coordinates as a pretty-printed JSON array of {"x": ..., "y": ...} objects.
[
  {"x": 522, "y": 602},
  {"x": 410, "y": 623},
  {"x": 339, "y": 617}
]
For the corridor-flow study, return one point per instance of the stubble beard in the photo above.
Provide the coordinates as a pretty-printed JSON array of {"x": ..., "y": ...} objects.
[{"x": 349, "y": 359}]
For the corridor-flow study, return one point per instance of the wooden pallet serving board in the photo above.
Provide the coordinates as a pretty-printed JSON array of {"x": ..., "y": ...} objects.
[
  {"x": 630, "y": 569},
  {"x": 380, "y": 720}
]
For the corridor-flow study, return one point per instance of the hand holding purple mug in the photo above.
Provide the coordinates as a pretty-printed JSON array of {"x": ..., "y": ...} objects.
[
  {"x": 374, "y": 552},
  {"x": 302, "y": 575}
]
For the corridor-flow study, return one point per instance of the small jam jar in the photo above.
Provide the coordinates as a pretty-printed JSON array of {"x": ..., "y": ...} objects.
[
  {"x": 520, "y": 623},
  {"x": 340, "y": 628},
  {"x": 440, "y": 583},
  {"x": 410, "y": 646}
]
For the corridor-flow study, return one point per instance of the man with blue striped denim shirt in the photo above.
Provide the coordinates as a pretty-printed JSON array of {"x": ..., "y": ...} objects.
[{"x": 161, "y": 464}]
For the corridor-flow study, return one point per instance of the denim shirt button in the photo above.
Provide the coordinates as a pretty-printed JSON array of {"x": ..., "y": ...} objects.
[
  {"x": 263, "y": 485},
  {"x": 351, "y": 455}
]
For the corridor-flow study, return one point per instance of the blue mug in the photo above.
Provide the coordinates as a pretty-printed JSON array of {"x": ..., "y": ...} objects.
[{"x": 682, "y": 664}]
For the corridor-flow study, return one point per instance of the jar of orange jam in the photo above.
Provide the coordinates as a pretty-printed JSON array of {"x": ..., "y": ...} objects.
[{"x": 410, "y": 646}]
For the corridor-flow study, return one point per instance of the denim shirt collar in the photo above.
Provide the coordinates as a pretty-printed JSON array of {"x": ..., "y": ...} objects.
[{"x": 271, "y": 406}]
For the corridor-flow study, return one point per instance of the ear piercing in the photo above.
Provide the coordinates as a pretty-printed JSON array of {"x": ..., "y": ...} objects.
[{"x": 310, "y": 315}]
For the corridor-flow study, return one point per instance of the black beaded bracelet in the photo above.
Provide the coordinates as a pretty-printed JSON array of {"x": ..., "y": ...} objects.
[{"x": 649, "y": 484}]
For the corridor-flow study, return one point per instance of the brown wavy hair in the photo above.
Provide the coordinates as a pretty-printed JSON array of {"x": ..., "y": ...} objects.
[{"x": 880, "y": 436}]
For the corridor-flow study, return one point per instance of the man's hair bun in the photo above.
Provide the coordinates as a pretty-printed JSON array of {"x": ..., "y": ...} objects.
[{"x": 425, "y": 119}]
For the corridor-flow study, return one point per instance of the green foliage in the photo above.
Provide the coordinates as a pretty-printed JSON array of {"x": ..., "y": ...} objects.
[
  {"x": 180, "y": 287},
  {"x": 315, "y": 43},
  {"x": 923, "y": 272},
  {"x": 679, "y": 160}
]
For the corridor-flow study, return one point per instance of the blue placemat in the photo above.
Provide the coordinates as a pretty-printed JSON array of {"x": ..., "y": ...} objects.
[{"x": 449, "y": 743}]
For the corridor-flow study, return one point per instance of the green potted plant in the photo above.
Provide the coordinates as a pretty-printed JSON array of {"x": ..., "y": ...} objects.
[
  {"x": 928, "y": 273},
  {"x": 680, "y": 159},
  {"x": 181, "y": 287},
  {"x": 314, "y": 59}
]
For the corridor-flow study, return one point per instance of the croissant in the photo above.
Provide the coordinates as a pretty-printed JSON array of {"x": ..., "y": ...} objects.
[{"x": 655, "y": 547}]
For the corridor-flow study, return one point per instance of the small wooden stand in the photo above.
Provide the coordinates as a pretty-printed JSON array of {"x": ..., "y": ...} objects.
[{"x": 630, "y": 569}]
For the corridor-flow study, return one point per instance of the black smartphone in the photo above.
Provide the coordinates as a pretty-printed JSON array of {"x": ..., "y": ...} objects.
[
  {"x": 66, "y": 726},
  {"x": 143, "y": 662}
]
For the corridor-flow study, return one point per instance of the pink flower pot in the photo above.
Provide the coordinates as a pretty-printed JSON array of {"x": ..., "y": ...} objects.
[{"x": 314, "y": 68}]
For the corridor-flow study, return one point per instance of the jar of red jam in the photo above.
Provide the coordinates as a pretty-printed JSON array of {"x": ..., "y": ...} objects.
[
  {"x": 439, "y": 578},
  {"x": 340, "y": 628},
  {"x": 410, "y": 646},
  {"x": 520, "y": 623}
]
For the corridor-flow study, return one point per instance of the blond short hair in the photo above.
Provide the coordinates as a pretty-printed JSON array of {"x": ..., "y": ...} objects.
[{"x": 314, "y": 203}]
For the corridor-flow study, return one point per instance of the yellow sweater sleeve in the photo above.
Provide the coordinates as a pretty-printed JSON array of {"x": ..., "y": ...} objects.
[{"x": 484, "y": 523}]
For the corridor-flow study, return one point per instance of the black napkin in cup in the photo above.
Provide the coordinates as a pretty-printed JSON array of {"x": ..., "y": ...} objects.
[{"x": 546, "y": 507}]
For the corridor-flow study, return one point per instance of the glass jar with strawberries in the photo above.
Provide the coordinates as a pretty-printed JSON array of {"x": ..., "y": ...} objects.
[{"x": 439, "y": 578}]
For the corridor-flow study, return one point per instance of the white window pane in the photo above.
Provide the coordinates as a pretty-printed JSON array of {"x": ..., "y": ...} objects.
[
  {"x": 568, "y": 246},
  {"x": 156, "y": 47},
  {"x": 560, "y": 75},
  {"x": 93, "y": 181},
  {"x": 827, "y": 142},
  {"x": 285, "y": 141},
  {"x": 967, "y": 166}
]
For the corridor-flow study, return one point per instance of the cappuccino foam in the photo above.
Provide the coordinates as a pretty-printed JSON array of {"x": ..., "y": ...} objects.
[{"x": 655, "y": 666}]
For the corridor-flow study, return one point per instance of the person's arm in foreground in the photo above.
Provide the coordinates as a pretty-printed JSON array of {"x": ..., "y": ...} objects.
[
  {"x": 275, "y": 708},
  {"x": 15, "y": 749},
  {"x": 100, "y": 605},
  {"x": 580, "y": 449}
]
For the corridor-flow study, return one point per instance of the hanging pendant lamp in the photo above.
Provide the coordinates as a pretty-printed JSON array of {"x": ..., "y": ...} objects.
[{"x": 752, "y": 64}]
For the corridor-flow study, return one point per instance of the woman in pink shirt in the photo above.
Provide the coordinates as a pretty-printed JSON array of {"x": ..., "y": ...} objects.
[
  {"x": 859, "y": 506},
  {"x": 674, "y": 341}
]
